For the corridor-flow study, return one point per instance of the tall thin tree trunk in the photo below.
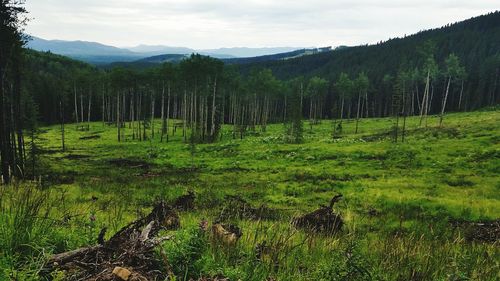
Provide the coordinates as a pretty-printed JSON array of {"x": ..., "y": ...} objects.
[
  {"x": 425, "y": 100},
  {"x": 88, "y": 112},
  {"x": 61, "y": 110},
  {"x": 460, "y": 97},
  {"x": 162, "y": 111},
  {"x": 81, "y": 108},
  {"x": 212, "y": 129},
  {"x": 444, "y": 102},
  {"x": 357, "y": 113},
  {"x": 118, "y": 125},
  {"x": 168, "y": 111},
  {"x": 152, "y": 116},
  {"x": 76, "y": 104}
]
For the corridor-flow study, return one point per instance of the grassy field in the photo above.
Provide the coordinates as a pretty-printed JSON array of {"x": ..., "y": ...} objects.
[{"x": 400, "y": 201}]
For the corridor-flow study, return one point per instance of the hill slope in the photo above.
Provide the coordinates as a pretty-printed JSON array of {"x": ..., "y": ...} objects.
[{"x": 474, "y": 41}]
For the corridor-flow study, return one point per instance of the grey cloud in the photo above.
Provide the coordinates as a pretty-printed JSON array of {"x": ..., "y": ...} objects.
[{"x": 226, "y": 23}]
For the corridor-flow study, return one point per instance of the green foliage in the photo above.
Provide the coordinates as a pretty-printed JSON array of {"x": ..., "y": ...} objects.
[{"x": 186, "y": 252}]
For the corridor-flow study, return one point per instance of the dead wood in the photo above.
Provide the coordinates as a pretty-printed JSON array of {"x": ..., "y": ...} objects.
[
  {"x": 483, "y": 231},
  {"x": 236, "y": 207},
  {"x": 323, "y": 220},
  {"x": 185, "y": 202},
  {"x": 92, "y": 137},
  {"x": 226, "y": 234},
  {"x": 131, "y": 248}
]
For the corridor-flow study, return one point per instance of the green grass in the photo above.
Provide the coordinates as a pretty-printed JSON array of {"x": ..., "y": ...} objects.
[{"x": 413, "y": 189}]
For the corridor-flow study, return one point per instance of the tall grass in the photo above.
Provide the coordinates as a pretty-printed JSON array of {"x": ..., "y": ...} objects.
[{"x": 25, "y": 227}]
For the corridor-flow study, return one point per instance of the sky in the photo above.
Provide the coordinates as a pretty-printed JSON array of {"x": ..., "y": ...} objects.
[{"x": 204, "y": 24}]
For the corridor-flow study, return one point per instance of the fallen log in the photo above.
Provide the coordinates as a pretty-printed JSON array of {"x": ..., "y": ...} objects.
[{"x": 131, "y": 250}]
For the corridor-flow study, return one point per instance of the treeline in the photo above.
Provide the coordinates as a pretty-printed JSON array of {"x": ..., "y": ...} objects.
[{"x": 202, "y": 93}]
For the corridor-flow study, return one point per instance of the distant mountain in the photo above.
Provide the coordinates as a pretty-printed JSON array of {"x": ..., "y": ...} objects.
[
  {"x": 221, "y": 53},
  {"x": 244, "y": 52},
  {"x": 154, "y": 50},
  {"x": 97, "y": 53},
  {"x": 81, "y": 48},
  {"x": 91, "y": 52},
  {"x": 158, "y": 50},
  {"x": 275, "y": 57}
]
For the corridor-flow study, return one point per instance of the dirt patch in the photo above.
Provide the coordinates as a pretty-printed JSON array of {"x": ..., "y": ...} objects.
[
  {"x": 75, "y": 156},
  {"x": 47, "y": 151},
  {"x": 234, "y": 169},
  {"x": 129, "y": 163},
  {"x": 59, "y": 178},
  {"x": 485, "y": 231},
  {"x": 323, "y": 220},
  {"x": 92, "y": 137},
  {"x": 303, "y": 176},
  {"x": 377, "y": 137}
]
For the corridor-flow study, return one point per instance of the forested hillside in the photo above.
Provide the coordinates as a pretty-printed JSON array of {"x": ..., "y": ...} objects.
[{"x": 474, "y": 41}]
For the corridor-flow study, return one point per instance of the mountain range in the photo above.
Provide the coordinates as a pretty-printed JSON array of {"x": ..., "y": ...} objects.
[{"x": 97, "y": 53}]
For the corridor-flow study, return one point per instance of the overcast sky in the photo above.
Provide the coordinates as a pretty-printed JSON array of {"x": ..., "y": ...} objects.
[{"x": 250, "y": 23}]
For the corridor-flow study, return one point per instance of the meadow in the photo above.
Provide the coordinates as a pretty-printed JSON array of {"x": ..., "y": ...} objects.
[{"x": 409, "y": 208}]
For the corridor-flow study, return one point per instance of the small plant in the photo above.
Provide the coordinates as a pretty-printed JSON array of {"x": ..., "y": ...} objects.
[{"x": 185, "y": 253}]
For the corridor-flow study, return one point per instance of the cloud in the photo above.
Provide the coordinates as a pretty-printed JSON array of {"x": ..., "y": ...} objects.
[{"x": 226, "y": 23}]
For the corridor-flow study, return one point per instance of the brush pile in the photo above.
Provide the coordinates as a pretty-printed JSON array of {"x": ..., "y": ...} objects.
[
  {"x": 484, "y": 231},
  {"x": 236, "y": 207},
  {"x": 323, "y": 220},
  {"x": 127, "y": 255}
]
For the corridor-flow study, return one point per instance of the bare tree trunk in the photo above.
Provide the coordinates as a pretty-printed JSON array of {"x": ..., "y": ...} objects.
[
  {"x": 425, "y": 100},
  {"x": 366, "y": 104},
  {"x": 342, "y": 110},
  {"x": 444, "y": 102},
  {"x": 139, "y": 115},
  {"x": 460, "y": 97},
  {"x": 76, "y": 104},
  {"x": 162, "y": 111},
  {"x": 118, "y": 125},
  {"x": 88, "y": 111},
  {"x": 152, "y": 116},
  {"x": 81, "y": 108},
  {"x": 184, "y": 134},
  {"x": 419, "y": 106},
  {"x": 301, "y": 98},
  {"x": 168, "y": 111},
  {"x": 61, "y": 110},
  {"x": 212, "y": 129},
  {"x": 103, "y": 106},
  {"x": 132, "y": 114},
  {"x": 357, "y": 113}
]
